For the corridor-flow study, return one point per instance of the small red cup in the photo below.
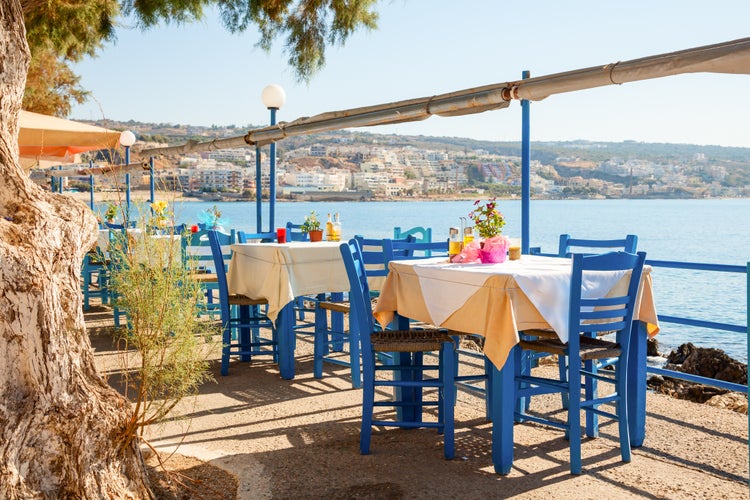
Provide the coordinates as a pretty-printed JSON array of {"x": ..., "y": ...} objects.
[{"x": 281, "y": 235}]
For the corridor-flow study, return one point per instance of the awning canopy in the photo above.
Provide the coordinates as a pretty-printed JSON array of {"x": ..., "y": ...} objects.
[
  {"x": 727, "y": 57},
  {"x": 43, "y": 137}
]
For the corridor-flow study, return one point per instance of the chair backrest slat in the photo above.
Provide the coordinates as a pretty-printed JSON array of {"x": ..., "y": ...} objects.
[
  {"x": 395, "y": 250},
  {"x": 294, "y": 232},
  {"x": 606, "y": 314},
  {"x": 196, "y": 248},
  {"x": 567, "y": 244},
  {"x": 243, "y": 237}
]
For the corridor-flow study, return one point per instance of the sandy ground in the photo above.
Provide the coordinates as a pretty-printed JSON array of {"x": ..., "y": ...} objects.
[{"x": 300, "y": 439}]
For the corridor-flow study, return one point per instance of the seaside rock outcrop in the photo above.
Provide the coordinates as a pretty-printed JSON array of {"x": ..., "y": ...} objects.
[
  {"x": 652, "y": 347},
  {"x": 704, "y": 362}
]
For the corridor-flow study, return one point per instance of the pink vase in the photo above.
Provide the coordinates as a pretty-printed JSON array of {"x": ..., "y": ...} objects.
[{"x": 493, "y": 256}]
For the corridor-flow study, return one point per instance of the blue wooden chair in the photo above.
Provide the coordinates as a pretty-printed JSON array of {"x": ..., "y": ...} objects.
[
  {"x": 588, "y": 317},
  {"x": 94, "y": 273},
  {"x": 196, "y": 253},
  {"x": 240, "y": 314},
  {"x": 407, "y": 378},
  {"x": 396, "y": 250},
  {"x": 330, "y": 340},
  {"x": 419, "y": 234},
  {"x": 566, "y": 247},
  {"x": 243, "y": 237},
  {"x": 294, "y": 232}
]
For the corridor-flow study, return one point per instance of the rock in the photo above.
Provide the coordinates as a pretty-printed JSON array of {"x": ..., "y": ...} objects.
[
  {"x": 710, "y": 363},
  {"x": 735, "y": 401},
  {"x": 652, "y": 347}
]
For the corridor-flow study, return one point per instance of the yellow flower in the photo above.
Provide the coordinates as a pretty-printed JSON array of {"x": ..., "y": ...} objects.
[{"x": 159, "y": 207}]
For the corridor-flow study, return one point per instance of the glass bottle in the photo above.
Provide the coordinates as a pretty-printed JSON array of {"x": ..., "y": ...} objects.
[
  {"x": 454, "y": 242},
  {"x": 336, "y": 231},
  {"x": 468, "y": 235},
  {"x": 329, "y": 229}
]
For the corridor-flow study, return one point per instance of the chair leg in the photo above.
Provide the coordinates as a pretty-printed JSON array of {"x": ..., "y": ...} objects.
[
  {"x": 320, "y": 341},
  {"x": 574, "y": 415},
  {"x": 590, "y": 390},
  {"x": 562, "y": 368},
  {"x": 226, "y": 341},
  {"x": 368, "y": 400},
  {"x": 448, "y": 391},
  {"x": 355, "y": 358},
  {"x": 622, "y": 413}
]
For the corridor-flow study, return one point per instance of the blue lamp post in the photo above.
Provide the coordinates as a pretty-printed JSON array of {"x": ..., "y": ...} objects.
[
  {"x": 273, "y": 97},
  {"x": 127, "y": 139}
]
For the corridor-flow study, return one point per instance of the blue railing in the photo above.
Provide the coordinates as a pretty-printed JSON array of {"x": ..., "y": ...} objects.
[{"x": 667, "y": 318}]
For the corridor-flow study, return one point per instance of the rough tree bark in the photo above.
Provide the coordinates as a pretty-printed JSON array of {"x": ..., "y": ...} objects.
[{"x": 60, "y": 423}]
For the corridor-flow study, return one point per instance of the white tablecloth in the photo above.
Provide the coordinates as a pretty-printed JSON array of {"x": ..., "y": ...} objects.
[
  {"x": 544, "y": 280},
  {"x": 281, "y": 272}
]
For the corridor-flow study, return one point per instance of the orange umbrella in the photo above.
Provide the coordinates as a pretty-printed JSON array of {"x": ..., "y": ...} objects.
[{"x": 42, "y": 137}]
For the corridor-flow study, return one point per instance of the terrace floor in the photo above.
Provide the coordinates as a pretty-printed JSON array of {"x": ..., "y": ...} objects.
[{"x": 300, "y": 439}]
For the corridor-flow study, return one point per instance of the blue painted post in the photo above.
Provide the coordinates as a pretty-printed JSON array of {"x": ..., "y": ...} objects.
[
  {"x": 748, "y": 344},
  {"x": 91, "y": 192},
  {"x": 60, "y": 181},
  {"x": 258, "y": 194},
  {"x": 127, "y": 197},
  {"x": 525, "y": 170},
  {"x": 272, "y": 180},
  {"x": 151, "y": 180}
]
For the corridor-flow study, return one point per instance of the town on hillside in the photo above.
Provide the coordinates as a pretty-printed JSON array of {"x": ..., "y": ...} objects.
[{"x": 346, "y": 165}]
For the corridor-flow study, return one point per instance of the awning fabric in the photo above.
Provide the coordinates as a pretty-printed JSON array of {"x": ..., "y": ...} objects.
[
  {"x": 42, "y": 137},
  {"x": 728, "y": 57}
]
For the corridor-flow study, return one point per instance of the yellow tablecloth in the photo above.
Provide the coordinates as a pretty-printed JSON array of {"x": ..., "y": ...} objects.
[
  {"x": 489, "y": 301},
  {"x": 281, "y": 272}
]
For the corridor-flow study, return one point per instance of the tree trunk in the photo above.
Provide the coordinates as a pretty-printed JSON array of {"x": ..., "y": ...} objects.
[{"x": 60, "y": 423}]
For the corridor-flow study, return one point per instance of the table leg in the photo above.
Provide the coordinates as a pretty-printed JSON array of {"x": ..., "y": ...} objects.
[
  {"x": 503, "y": 397},
  {"x": 637, "y": 384},
  {"x": 285, "y": 332},
  {"x": 409, "y": 413}
]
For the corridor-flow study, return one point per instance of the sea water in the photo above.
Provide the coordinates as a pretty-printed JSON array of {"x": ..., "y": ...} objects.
[{"x": 710, "y": 231}]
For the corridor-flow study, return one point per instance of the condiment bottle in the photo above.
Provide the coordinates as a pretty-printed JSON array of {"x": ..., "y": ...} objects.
[
  {"x": 336, "y": 231},
  {"x": 468, "y": 235},
  {"x": 329, "y": 229},
  {"x": 454, "y": 242}
]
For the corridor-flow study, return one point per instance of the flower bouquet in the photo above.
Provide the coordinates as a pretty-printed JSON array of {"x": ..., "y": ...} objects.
[{"x": 494, "y": 246}]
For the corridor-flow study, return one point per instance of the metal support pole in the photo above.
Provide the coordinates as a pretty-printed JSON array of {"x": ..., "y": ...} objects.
[
  {"x": 91, "y": 186},
  {"x": 258, "y": 193},
  {"x": 525, "y": 170},
  {"x": 127, "y": 197},
  {"x": 151, "y": 179},
  {"x": 272, "y": 180}
]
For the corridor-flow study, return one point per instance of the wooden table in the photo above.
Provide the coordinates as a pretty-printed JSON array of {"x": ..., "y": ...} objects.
[
  {"x": 499, "y": 300},
  {"x": 281, "y": 272}
]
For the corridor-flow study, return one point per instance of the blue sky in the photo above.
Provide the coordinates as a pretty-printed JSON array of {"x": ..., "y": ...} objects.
[{"x": 199, "y": 74}]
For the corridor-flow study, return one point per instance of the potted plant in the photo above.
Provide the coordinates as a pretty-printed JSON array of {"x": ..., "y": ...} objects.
[
  {"x": 312, "y": 227},
  {"x": 489, "y": 223},
  {"x": 110, "y": 213}
]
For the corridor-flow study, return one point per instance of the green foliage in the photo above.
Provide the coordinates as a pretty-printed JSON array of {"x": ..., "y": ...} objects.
[
  {"x": 165, "y": 346},
  {"x": 68, "y": 30},
  {"x": 312, "y": 223},
  {"x": 487, "y": 218},
  {"x": 51, "y": 86}
]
